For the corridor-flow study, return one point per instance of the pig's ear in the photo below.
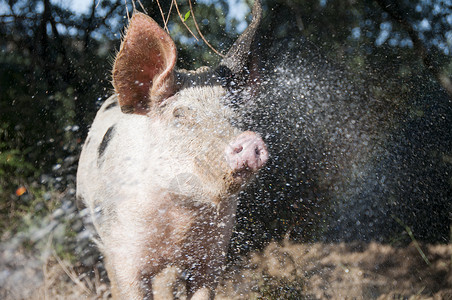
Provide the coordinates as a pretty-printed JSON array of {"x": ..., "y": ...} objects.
[
  {"x": 241, "y": 59},
  {"x": 143, "y": 73}
]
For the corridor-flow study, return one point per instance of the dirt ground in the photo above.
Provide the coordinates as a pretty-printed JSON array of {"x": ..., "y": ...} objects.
[
  {"x": 343, "y": 271},
  {"x": 280, "y": 271}
]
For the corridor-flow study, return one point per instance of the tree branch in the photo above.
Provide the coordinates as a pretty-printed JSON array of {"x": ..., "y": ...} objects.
[
  {"x": 200, "y": 33},
  {"x": 393, "y": 9}
]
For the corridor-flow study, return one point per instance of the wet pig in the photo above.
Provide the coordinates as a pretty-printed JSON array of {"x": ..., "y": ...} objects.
[{"x": 163, "y": 163}]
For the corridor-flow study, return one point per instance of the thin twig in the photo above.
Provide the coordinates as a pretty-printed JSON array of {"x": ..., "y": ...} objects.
[
  {"x": 169, "y": 13},
  {"x": 142, "y": 7},
  {"x": 394, "y": 11},
  {"x": 200, "y": 33},
  {"x": 182, "y": 19},
  {"x": 127, "y": 10},
  {"x": 71, "y": 274},
  {"x": 163, "y": 16},
  {"x": 416, "y": 244},
  {"x": 97, "y": 282}
]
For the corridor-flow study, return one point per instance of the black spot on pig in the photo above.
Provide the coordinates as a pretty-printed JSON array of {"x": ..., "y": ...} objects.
[
  {"x": 107, "y": 137},
  {"x": 111, "y": 105},
  {"x": 88, "y": 140}
]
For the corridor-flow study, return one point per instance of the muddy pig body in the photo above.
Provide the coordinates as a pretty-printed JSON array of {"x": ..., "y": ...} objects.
[{"x": 162, "y": 165}]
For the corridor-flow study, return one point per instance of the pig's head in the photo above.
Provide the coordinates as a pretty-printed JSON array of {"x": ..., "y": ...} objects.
[{"x": 188, "y": 109}]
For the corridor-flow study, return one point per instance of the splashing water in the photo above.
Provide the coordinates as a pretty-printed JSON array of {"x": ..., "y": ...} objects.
[{"x": 343, "y": 163}]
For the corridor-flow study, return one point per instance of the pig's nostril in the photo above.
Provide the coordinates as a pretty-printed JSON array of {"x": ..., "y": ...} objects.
[
  {"x": 238, "y": 149},
  {"x": 257, "y": 151}
]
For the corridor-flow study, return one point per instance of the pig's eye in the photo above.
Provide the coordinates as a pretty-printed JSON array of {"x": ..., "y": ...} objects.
[
  {"x": 183, "y": 114},
  {"x": 180, "y": 112}
]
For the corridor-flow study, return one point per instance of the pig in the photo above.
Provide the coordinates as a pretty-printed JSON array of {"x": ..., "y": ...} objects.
[{"x": 163, "y": 163}]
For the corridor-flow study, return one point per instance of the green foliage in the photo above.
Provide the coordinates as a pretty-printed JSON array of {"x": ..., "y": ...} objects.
[
  {"x": 21, "y": 213},
  {"x": 187, "y": 15},
  {"x": 12, "y": 161},
  {"x": 13, "y": 170}
]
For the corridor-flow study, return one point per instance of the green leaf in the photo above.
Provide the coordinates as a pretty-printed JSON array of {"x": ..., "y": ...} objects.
[{"x": 187, "y": 15}]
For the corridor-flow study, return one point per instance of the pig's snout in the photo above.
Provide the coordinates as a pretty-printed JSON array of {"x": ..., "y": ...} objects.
[{"x": 246, "y": 154}]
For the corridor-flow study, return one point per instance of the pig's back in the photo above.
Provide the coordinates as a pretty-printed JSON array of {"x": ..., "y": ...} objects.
[
  {"x": 98, "y": 137},
  {"x": 106, "y": 169}
]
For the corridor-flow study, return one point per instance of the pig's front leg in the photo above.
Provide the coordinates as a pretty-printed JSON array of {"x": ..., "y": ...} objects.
[
  {"x": 129, "y": 270},
  {"x": 125, "y": 278},
  {"x": 210, "y": 250},
  {"x": 202, "y": 287},
  {"x": 163, "y": 283},
  {"x": 203, "y": 294}
]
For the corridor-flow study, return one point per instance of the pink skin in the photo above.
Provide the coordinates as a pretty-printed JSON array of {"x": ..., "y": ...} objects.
[{"x": 246, "y": 154}]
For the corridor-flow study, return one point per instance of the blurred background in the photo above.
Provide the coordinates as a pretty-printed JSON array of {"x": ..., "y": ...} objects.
[{"x": 55, "y": 70}]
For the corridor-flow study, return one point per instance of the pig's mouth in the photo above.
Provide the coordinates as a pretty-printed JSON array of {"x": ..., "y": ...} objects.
[
  {"x": 239, "y": 178},
  {"x": 242, "y": 176}
]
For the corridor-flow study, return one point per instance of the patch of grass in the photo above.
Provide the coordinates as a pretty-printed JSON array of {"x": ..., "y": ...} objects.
[{"x": 18, "y": 213}]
